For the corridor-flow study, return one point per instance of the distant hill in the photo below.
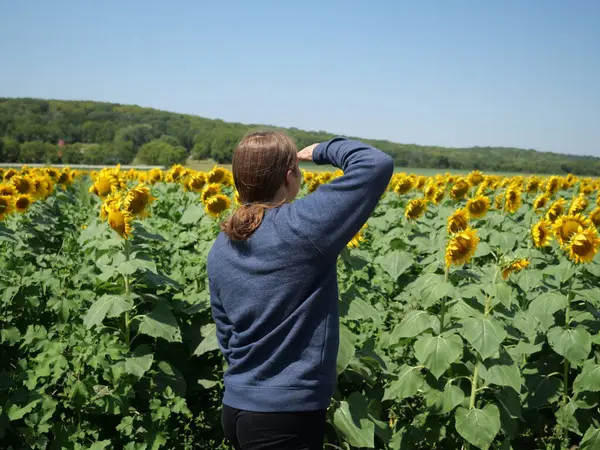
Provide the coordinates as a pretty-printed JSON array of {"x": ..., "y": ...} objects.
[{"x": 56, "y": 131}]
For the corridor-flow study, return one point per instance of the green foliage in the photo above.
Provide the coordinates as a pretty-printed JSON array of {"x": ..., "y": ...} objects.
[
  {"x": 160, "y": 152},
  {"x": 106, "y": 343},
  {"x": 121, "y": 130}
]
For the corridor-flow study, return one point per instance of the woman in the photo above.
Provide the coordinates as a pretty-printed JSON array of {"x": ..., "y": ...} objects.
[{"x": 273, "y": 285}]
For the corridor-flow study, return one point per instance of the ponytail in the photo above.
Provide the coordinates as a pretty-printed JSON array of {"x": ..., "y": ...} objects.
[{"x": 245, "y": 220}]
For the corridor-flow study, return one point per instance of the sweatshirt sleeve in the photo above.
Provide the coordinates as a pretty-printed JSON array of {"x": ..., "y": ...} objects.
[
  {"x": 224, "y": 326},
  {"x": 333, "y": 214}
]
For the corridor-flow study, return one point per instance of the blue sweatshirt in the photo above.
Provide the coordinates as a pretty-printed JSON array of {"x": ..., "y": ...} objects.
[{"x": 274, "y": 297}]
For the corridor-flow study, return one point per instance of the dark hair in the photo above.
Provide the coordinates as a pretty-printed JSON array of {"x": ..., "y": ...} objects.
[{"x": 260, "y": 163}]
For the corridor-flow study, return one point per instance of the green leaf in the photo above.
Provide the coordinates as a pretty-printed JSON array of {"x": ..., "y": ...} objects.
[
  {"x": 140, "y": 362},
  {"x": 408, "y": 384},
  {"x": 351, "y": 421},
  {"x": 588, "y": 379},
  {"x": 9, "y": 335},
  {"x": 395, "y": 263},
  {"x": 503, "y": 293},
  {"x": 346, "y": 348},
  {"x": 479, "y": 427},
  {"x": 528, "y": 279},
  {"x": 160, "y": 323},
  {"x": 575, "y": 344},
  {"x": 16, "y": 412},
  {"x": 100, "y": 445},
  {"x": 541, "y": 391},
  {"x": 438, "y": 352},
  {"x": 210, "y": 342},
  {"x": 483, "y": 249},
  {"x": 591, "y": 439},
  {"x": 548, "y": 303},
  {"x": 485, "y": 334},
  {"x": 193, "y": 214},
  {"x": 413, "y": 324},
  {"x": 450, "y": 398},
  {"x": 169, "y": 375},
  {"x": 133, "y": 265},
  {"x": 108, "y": 305},
  {"x": 502, "y": 372}
]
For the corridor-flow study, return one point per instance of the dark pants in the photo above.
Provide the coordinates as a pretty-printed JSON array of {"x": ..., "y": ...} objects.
[{"x": 247, "y": 430}]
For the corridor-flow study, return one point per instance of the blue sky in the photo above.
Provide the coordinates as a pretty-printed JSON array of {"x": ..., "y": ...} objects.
[{"x": 448, "y": 72}]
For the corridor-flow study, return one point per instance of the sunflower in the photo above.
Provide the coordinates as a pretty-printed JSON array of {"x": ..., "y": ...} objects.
[
  {"x": 308, "y": 176},
  {"x": 210, "y": 190},
  {"x": 512, "y": 198},
  {"x": 112, "y": 201},
  {"x": 587, "y": 189},
  {"x": 499, "y": 200},
  {"x": 429, "y": 191},
  {"x": 313, "y": 184},
  {"x": 515, "y": 266},
  {"x": 579, "y": 204},
  {"x": 52, "y": 172},
  {"x": 583, "y": 246},
  {"x": 217, "y": 204},
  {"x": 439, "y": 195},
  {"x": 532, "y": 185},
  {"x": 196, "y": 182},
  {"x": 65, "y": 178},
  {"x": 103, "y": 186},
  {"x": 404, "y": 185},
  {"x": 23, "y": 202},
  {"x": 541, "y": 233},
  {"x": 475, "y": 178},
  {"x": 9, "y": 174},
  {"x": 566, "y": 226},
  {"x": 7, "y": 206},
  {"x": 540, "y": 201},
  {"x": 154, "y": 176},
  {"x": 461, "y": 247},
  {"x": 552, "y": 185},
  {"x": 175, "y": 173},
  {"x": 137, "y": 200},
  {"x": 119, "y": 220},
  {"x": 7, "y": 189},
  {"x": 458, "y": 221},
  {"x": 358, "y": 238},
  {"x": 595, "y": 217},
  {"x": 415, "y": 208},
  {"x": 556, "y": 209},
  {"x": 481, "y": 189},
  {"x": 460, "y": 189},
  {"x": 216, "y": 175},
  {"x": 23, "y": 184},
  {"x": 478, "y": 206},
  {"x": 420, "y": 182}
]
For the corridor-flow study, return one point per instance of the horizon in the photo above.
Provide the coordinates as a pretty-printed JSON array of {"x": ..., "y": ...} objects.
[
  {"x": 310, "y": 131},
  {"x": 500, "y": 74}
]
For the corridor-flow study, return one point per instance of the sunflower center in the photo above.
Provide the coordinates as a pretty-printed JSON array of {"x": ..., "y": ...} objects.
[
  {"x": 3, "y": 205},
  {"x": 582, "y": 245},
  {"x": 22, "y": 203}
]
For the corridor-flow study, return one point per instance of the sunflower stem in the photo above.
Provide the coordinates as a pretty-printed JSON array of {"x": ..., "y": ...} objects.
[
  {"x": 444, "y": 299},
  {"x": 474, "y": 386},
  {"x": 126, "y": 325},
  {"x": 566, "y": 361}
]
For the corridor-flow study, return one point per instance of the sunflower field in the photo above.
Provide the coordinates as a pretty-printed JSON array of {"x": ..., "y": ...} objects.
[{"x": 470, "y": 312}]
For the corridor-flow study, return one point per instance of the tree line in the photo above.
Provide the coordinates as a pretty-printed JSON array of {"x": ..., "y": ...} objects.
[{"x": 85, "y": 132}]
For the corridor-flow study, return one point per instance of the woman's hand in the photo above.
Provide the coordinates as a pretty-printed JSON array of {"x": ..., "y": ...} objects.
[{"x": 306, "y": 154}]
